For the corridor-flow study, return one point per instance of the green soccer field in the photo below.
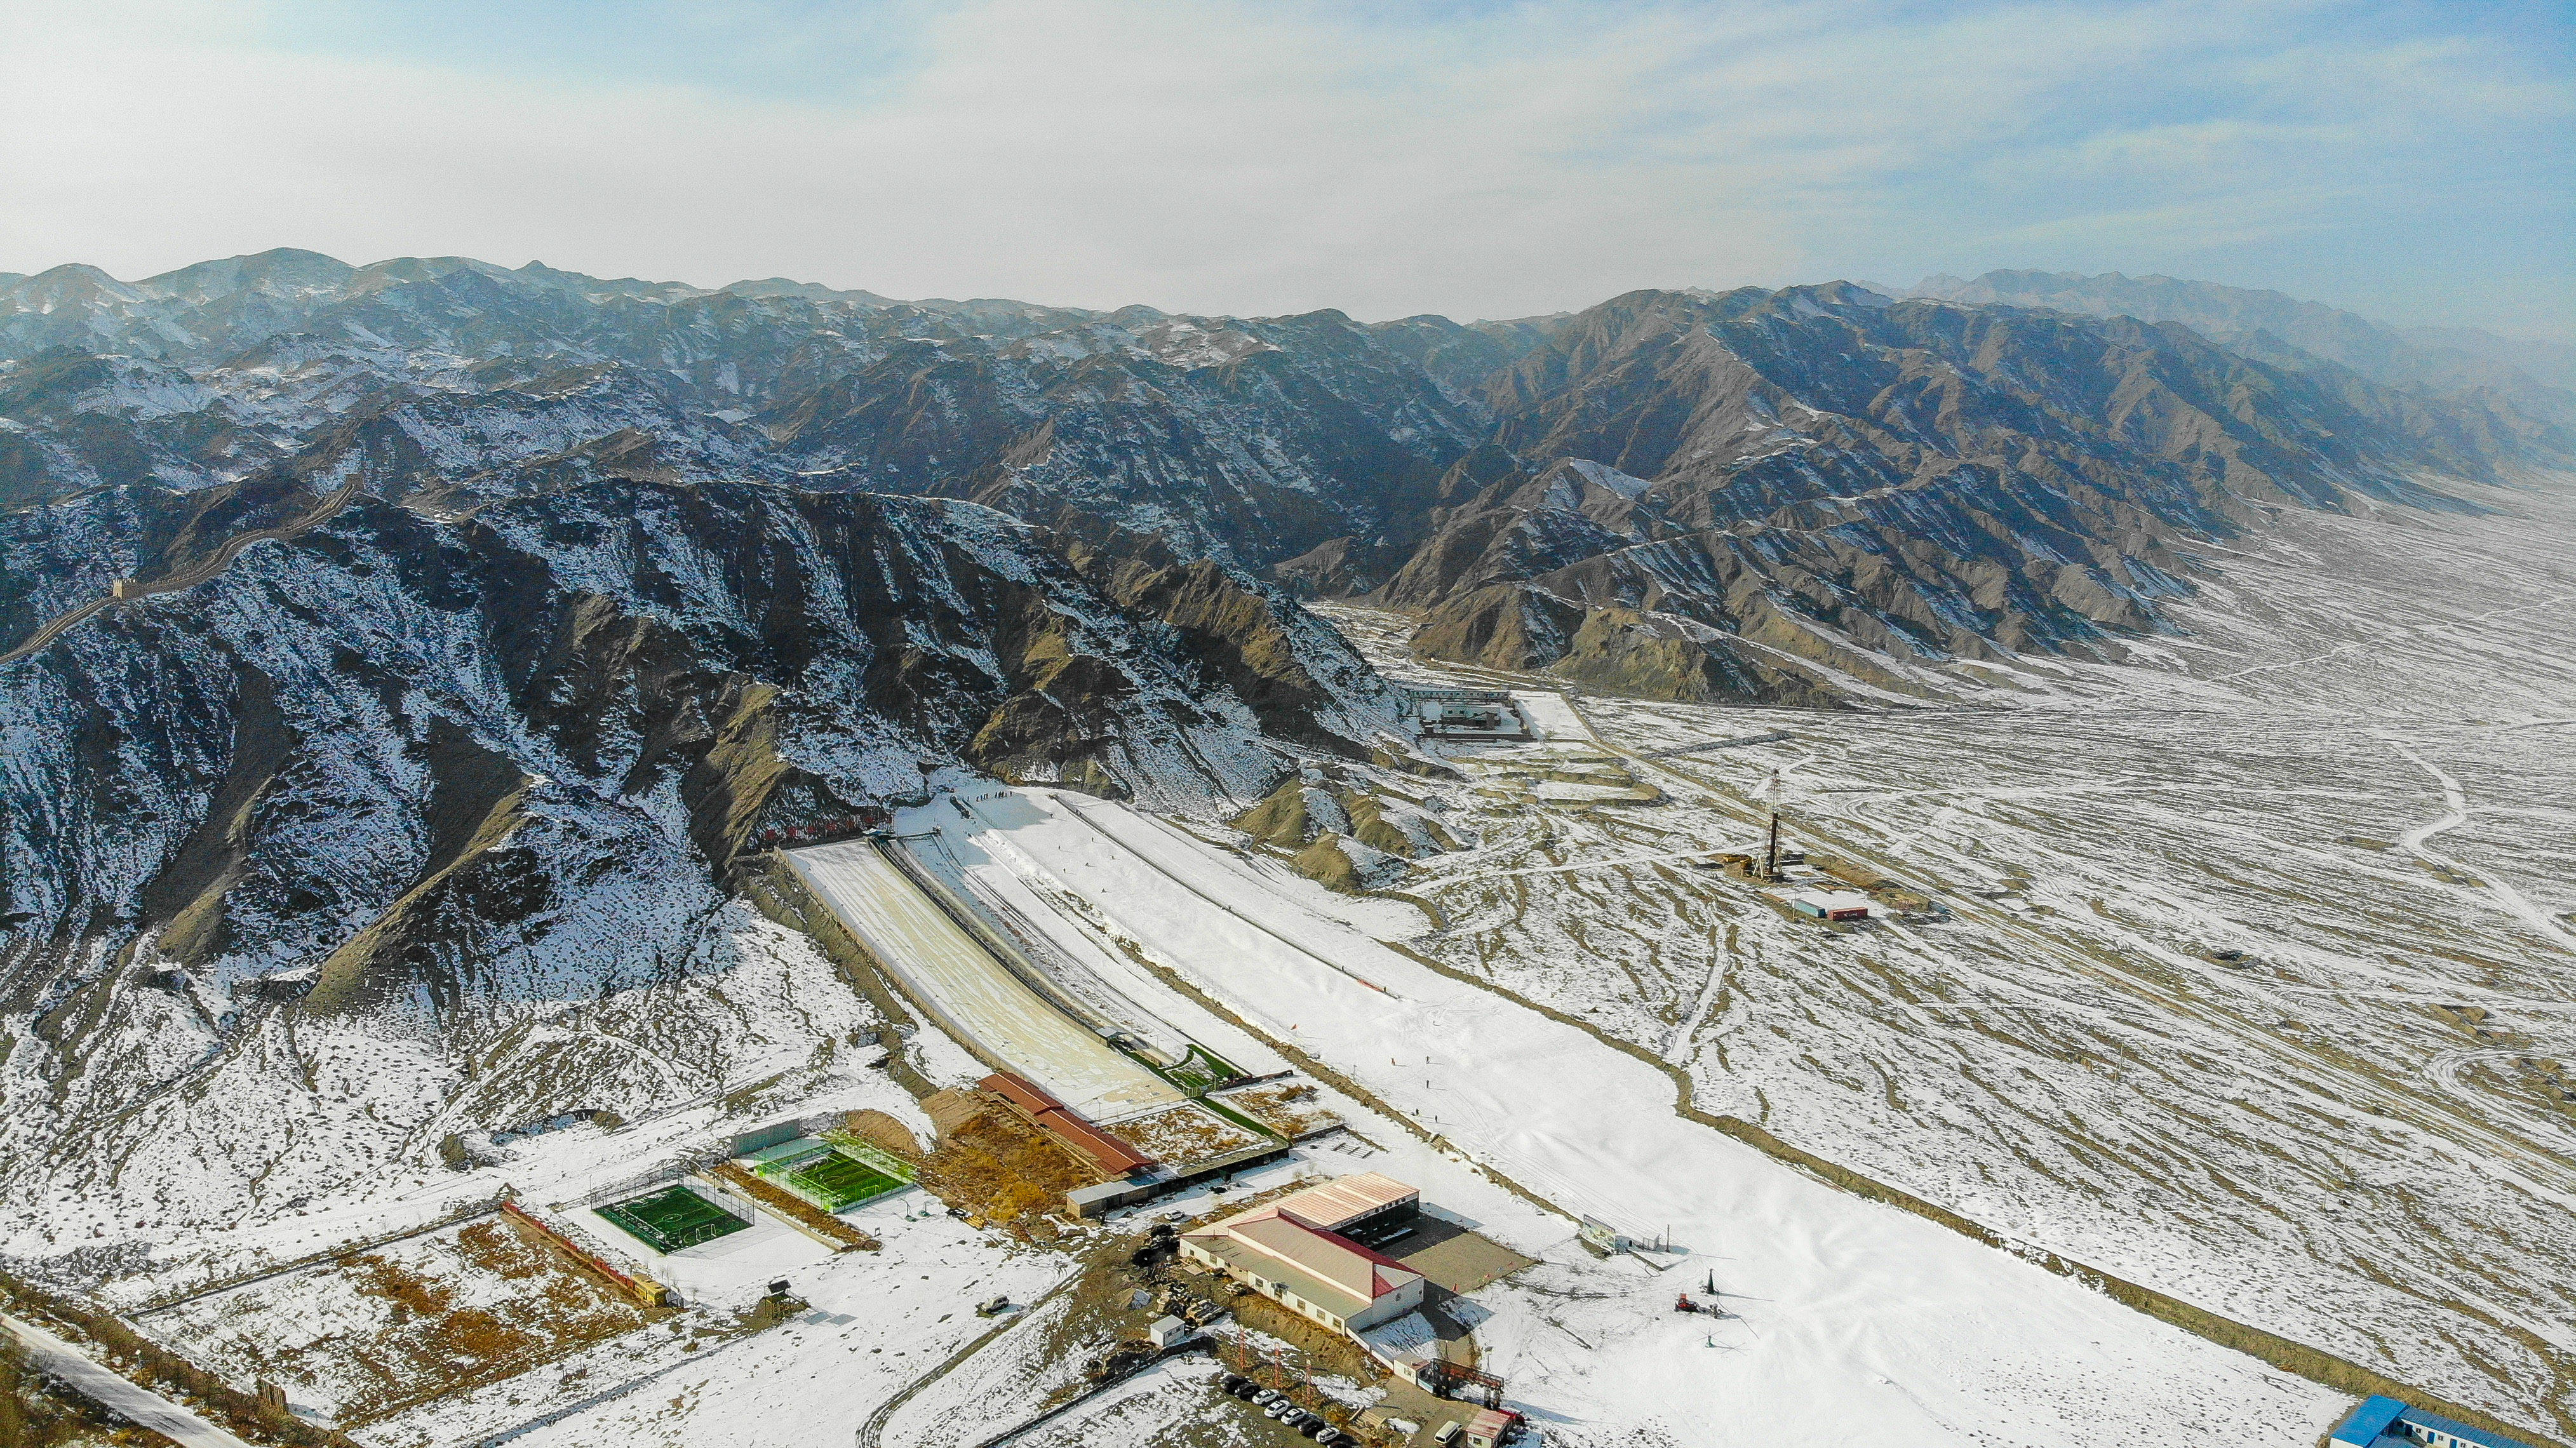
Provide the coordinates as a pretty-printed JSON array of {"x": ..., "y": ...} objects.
[
  {"x": 835, "y": 1181},
  {"x": 672, "y": 1219}
]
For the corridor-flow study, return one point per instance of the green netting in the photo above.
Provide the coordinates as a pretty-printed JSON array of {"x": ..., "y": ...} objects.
[
  {"x": 833, "y": 1180},
  {"x": 786, "y": 1153},
  {"x": 672, "y": 1219},
  {"x": 1200, "y": 1069},
  {"x": 874, "y": 1155}
]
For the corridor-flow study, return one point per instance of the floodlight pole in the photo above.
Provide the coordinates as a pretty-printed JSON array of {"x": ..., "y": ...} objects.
[{"x": 1771, "y": 796}]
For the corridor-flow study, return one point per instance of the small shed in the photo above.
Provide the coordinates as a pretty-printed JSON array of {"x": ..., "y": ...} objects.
[
  {"x": 1169, "y": 1330},
  {"x": 1490, "y": 1427},
  {"x": 1830, "y": 904}
]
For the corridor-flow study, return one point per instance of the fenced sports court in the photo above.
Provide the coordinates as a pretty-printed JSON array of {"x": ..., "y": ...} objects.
[
  {"x": 672, "y": 1219},
  {"x": 834, "y": 1175}
]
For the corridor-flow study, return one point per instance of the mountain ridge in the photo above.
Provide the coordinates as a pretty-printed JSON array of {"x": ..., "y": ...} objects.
[{"x": 1330, "y": 451}]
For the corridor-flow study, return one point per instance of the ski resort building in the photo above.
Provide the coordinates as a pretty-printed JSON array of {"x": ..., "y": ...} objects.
[
  {"x": 2388, "y": 1423},
  {"x": 1293, "y": 1252},
  {"x": 1468, "y": 713}
]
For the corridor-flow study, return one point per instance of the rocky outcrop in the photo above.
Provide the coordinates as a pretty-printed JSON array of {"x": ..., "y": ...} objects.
[{"x": 1344, "y": 831}]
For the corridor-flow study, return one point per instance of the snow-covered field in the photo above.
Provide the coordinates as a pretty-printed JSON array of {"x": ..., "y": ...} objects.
[
  {"x": 2357, "y": 769},
  {"x": 2254, "y": 982},
  {"x": 1850, "y": 1322}
]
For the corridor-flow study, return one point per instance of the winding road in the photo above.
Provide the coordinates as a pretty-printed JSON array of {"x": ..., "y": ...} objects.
[{"x": 225, "y": 552}]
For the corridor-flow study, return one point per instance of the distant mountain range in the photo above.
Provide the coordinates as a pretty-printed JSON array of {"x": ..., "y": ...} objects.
[
  {"x": 1792, "y": 496},
  {"x": 2538, "y": 376}
]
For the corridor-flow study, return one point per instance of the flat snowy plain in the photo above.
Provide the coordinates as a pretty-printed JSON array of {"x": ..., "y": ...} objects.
[{"x": 1848, "y": 1322}]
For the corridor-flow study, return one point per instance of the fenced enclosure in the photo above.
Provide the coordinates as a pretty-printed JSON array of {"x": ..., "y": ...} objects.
[
  {"x": 831, "y": 1174},
  {"x": 672, "y": 1219}
]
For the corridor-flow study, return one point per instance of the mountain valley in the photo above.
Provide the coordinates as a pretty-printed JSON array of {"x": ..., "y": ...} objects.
[{"x": 416, "y": 674}]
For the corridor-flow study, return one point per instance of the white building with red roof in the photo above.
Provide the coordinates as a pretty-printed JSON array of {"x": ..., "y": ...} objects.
[{"x": 1293, "y": 1252}]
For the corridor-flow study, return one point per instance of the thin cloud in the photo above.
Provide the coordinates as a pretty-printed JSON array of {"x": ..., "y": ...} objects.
[{"x": 1232, "y": 158}]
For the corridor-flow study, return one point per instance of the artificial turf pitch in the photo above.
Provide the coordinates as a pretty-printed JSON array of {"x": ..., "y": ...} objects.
[
  {"x": 835, "y": 1181},
  {"x": 672, "y": 1219}
]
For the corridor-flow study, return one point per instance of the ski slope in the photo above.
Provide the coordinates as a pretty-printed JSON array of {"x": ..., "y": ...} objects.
[{"x": 954, "y": 974}]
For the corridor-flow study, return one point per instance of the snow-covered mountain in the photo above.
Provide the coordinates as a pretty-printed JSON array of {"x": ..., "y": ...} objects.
[
  {"x": 301, "y": 868},
  {"x": 1761, "y": 496},
  {"x": 1253, "y": 439},
  {"x": 493, "y": 610}
]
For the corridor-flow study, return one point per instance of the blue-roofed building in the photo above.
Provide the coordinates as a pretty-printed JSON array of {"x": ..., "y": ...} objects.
[
  {"x": 2388, "y": 1423},
  {"x": 2365, "y": 1423}
]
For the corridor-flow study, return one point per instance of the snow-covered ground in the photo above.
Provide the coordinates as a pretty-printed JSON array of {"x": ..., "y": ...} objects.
[
  {"x": 308, "y": 1132},
  {"x": 2357, "y": 769},
  {"x": 1850, "y": 1322},
  {"x": 2354, "y": 771},
  {"x": 877, "y": 1320}
]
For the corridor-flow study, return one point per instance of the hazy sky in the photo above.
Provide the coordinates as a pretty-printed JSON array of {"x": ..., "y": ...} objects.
[{"x": 2412, "y": 162}]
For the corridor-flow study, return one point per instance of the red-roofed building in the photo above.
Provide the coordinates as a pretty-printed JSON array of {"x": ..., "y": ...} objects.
[
  {"x": 1283, "y": 1253},
  {"x": 1113, "y": 1157}
]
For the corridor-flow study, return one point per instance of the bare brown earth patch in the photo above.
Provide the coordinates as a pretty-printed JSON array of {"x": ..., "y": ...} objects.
[{"x": 381, "y": 1331}]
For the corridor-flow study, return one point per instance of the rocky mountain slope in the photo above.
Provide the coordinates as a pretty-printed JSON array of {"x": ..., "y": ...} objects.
[
  {"x": 1813, "y": 494},
  {"x": 428, "y": 780},
  {"x": 1254, "y": 439}
]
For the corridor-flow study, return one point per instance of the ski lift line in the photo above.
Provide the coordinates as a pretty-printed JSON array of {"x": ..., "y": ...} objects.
[
  {"x": 1665, "y": 858},
  {"x": 1008, "y": 953},
  {"x": 1709, "y": 794},
  {"x": 1738, "y": 742}
]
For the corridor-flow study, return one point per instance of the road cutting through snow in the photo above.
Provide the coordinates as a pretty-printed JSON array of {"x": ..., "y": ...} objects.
[{"x": 138, "y": 1405}]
